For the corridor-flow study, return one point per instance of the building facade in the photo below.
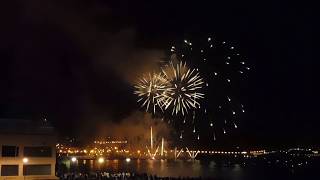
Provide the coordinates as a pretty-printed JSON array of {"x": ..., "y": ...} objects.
[{"x": 27, "y": 150}]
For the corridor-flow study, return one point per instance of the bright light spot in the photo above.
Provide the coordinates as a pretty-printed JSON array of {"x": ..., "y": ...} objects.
[
  {"x": 211, "y": 124},
  {"x": 201, "y": 50},
  {"x": 211, "y": 46},
  {"x": 231, "y": 47},
  {"x": 235, "y": 126},
  {"x": 223, "y": 42},
  {"x": 209, "y": 38},
  {"x": 101, "y": 160},
  {"x": 228, "y": 57},
  {"x": 215, "y": 73},
  {"x": 25, "y": 160},
  {"x": 227, "y": 62},
  {"x": 128, "y": 159},
  {"x": 73, "y": 159},
  {"x": 228, "y": 80}
]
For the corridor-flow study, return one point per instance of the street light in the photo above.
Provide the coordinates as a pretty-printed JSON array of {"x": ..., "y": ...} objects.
[
  {"x": 101, "y": 160},
  {"x": 25, "y": 161},
  {"x": 73, "y": 159}
]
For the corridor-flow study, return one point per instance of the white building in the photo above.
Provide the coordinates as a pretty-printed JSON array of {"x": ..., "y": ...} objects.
[{"x": 27, "y": 150}]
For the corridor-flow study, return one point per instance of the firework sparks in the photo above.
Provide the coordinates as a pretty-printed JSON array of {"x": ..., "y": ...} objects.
[
  {"x": 221, "y": 67},
  {"x": 150, "y": 90},
  {"x": 184, "y": 85}
]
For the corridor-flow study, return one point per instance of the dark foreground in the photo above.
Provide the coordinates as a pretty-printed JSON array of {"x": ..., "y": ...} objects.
[{"x": 123, "y": 176}]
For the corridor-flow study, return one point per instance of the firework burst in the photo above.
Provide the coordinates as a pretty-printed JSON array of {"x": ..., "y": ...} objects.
[
  {"x": 151, "y": 90},
  {"x": 183, "y": 92}
]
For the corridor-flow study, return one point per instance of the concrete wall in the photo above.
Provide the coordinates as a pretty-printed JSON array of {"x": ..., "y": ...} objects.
[{"x": 22, "y": 140}]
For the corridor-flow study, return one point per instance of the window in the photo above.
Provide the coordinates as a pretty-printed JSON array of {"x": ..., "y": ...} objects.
[
  {"x": 44, "y": 169},
  {"x": 37, "y": 151},
  {"x": 9, "y": 170},
  {"x": 10, "y": 151}
]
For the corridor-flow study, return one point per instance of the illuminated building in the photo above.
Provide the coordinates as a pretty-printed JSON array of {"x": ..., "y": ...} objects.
[{"x": 27, "y": 150}]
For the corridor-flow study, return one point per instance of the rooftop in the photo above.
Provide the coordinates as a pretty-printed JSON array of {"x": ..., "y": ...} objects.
[{"x": 23, "y": 126}]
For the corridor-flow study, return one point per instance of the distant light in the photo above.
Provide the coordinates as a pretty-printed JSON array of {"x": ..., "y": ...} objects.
[
  {"x": 25, "y": 160},
  {"x": 73, "y": 159},
  {"x": 231, "y": 47},
  {"x": 101, "y": 160},
  {"x": 128, "y": 159},
  {"x": 209, "y": 38},
  {"x": 211, "y": 124}
]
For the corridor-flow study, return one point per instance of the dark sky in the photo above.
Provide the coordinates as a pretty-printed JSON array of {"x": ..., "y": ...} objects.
[{"x": 75, "y": 61}]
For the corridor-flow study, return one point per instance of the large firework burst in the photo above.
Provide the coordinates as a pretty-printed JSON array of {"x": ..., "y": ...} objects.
[
  {"x": 151, "y": 90},
  {"x": 184, "y": 87},
  {"x": 212, "y": 98}
]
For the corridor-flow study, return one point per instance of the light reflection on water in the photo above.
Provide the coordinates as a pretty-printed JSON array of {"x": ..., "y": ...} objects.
[{"x": 166, "y": 168}]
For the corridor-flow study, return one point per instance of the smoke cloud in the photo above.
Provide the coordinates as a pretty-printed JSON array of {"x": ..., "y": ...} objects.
[
  {"x": 134, "y": 128},
  {"x": 75, "y": 62}
]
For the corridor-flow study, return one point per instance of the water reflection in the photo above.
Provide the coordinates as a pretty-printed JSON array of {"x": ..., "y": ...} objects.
[{"x": 182, "y": 168}]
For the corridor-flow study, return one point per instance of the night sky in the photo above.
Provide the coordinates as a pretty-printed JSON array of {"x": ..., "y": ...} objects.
[{"x": 75, "y": 62}]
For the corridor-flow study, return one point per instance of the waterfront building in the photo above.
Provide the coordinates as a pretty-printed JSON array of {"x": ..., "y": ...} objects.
[{"x": 27, "y": 149}]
